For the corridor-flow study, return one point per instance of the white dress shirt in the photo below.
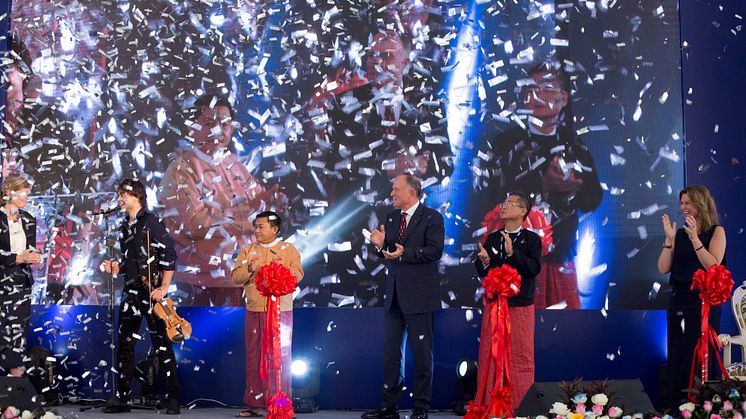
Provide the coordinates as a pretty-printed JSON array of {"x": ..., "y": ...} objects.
[
  {"x": 410, "y": 211},
  {"x": 17, "y": 236}
]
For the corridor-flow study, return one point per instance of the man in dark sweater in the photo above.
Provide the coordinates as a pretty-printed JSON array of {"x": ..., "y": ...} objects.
[
  {"x": 520, "y": 248},
  {"x": 549, "y": 163}
]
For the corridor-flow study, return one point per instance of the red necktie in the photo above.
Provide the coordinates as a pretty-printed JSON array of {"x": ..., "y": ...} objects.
[{"x": 402, "y": 226}]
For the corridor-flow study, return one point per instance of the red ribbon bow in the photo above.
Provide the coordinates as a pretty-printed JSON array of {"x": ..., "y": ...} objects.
[
  {"x": 273, "y": 281},
  {"x": 500, "y": 284},
  {"x": 714, "y": 287}
]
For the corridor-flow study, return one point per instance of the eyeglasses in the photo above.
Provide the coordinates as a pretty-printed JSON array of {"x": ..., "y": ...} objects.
[{"x": 510, "y": 204}]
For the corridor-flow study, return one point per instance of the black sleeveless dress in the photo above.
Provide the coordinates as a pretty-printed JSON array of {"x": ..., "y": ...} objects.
[{"x": 684, "y": 315}]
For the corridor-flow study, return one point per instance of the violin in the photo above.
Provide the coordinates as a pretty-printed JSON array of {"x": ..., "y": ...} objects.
[{"x": 177, "y": 329}]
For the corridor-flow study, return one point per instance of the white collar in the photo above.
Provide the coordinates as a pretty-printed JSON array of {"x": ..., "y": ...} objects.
[
  {"x": 273, "y": 244},
  {"x": 533, "y": 130},
  {"x": 9, "y": 215},
  {"x": 520, "y": 227},
  {"x": 410, "y": 211}
]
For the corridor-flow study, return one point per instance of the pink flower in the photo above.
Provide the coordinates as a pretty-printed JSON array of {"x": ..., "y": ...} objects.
[
  {"x": 615, "y": 412},
  {"x": 598, "y": 409},
  {"x": 737, "y": 415},
  {"x": 580, "y": 408},
  {"x": 715, "y": 416},
  {"x": 707, "y": 405},
  {"x": 743, "y": 407},
  {"x": 686, "y": 414},
  {"x": 727, "y": 405},
  {"x": 10, "y": 413}
]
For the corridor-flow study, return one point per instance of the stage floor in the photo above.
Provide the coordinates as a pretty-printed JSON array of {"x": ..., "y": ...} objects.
[{"x": 70, "y": 412}]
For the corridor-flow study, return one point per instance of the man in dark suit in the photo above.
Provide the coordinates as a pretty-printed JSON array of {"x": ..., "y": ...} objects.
[{"x": 411, "y": 241}]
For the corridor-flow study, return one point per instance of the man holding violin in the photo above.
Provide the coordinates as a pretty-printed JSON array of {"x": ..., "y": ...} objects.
[{"x": 147, "y": 271}]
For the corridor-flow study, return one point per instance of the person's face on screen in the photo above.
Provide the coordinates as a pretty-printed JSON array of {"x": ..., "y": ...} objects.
[
  {"x": 545, "y": 97},
  {"x": 216, "y": 128},
  {"x": 386, "y": 60},
  {"x": 402, "y": 195},
  {"x": 264, "y": 231},
  {"x": 687, "y": 207}
]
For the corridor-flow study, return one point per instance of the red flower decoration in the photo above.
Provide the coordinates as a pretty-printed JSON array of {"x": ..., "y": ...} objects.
[
  {"x": 536, "y": 222},
  {"x": 715, "y": 284},
  {"x": 275, "y": 280},
  {"x": 503, "y": 281},
  {"x": 500, "y": 403},
  {"x": 280, "y": 407},
  {"x": 474, "y": 411}
]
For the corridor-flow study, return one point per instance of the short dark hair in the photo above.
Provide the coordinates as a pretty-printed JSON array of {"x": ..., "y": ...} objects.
[
  {"x": 555, "y": 70},
  {"x": 135, "y": 188},
  {"x": 413, "y": 183},
  {"x": 272, "y": 217},
  {"x": 525, "y": 201},
  {"x": 211, "y": 101}
]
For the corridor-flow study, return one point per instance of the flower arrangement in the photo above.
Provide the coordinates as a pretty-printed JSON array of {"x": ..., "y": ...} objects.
[
  {"x": 721, "y": 400},
  {"x": 10, "y": 412},
  {"x": 586, "y": 402}
]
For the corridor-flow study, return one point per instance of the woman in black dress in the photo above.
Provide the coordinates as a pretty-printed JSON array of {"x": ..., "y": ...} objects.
[
  {"x": 17, "y": 254},
  {"x": 698, "y": 245}
]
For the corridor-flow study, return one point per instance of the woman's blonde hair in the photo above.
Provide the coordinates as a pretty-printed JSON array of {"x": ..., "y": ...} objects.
[
  {"x": 13, "y": 184},
  {"x": 702, "y": 199}
]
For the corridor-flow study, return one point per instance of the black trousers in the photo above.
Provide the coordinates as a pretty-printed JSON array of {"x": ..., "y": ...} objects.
[
  {"x": 684, "y": 327},
  {"x": 15, "y": 311},
  {"x": 419, "y": 328},
  {"x": 136, "y": 305}
]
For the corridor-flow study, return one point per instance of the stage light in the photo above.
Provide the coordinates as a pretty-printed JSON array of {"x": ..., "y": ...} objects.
[
  {"x": 299, "y": 368},
  {"x": 466, "y": 371},
  {"x": 306, "y": 379}
]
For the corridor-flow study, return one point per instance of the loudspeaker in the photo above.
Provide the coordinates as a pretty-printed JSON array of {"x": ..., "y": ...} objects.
[
  {"x": 19, "y": 393},
  {"x": 629, "y": 395}
]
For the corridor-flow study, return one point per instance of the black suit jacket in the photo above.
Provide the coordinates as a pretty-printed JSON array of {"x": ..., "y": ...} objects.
[
  {"x": 415, "y": 276},
  {"x": 8, "y": 266}
]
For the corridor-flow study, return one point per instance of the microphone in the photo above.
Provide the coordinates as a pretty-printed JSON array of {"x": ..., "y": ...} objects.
[{"x": 105, "y": 211}]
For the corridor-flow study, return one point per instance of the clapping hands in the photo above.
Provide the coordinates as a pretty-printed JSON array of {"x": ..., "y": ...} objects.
[
  {"x": 29, "y": 256},
  {"x": 378, "y": 236}
]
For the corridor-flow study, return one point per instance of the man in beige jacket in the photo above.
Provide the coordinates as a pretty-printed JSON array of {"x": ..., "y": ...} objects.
[{"x": 267, "y": 248}]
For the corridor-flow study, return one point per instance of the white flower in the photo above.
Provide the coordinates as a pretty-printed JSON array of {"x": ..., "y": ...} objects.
[
  {"x": 600, "y": 399},
  {"x": 603, "y": 417},
  {"x": 27, "y": 415},
  {"x": 541, "y": 417},
  {"x": 687, "y": 406},
  {"x": 50, "y": 415},
  {"x": 559, "y": 408}
]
